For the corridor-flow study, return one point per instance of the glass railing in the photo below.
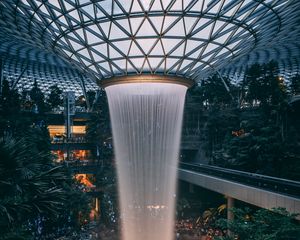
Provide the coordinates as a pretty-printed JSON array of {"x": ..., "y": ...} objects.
[{"x": 68, "y": 140}]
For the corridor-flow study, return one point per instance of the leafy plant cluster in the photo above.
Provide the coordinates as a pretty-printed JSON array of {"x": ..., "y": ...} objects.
[
  {"x": 38, "y": 200},
  {"x": 35, "y": 100},
  {"x": 251, "y": 126},
  {"x": 99, "y": 134},
  {"x": 263, "y": 224}
]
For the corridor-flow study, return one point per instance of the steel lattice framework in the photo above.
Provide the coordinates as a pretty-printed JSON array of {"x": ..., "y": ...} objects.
[{"x": 190, "y": 38}]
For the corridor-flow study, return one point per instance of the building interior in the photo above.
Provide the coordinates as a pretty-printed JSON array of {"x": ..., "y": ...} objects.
[{"x": 149, "y": 119}]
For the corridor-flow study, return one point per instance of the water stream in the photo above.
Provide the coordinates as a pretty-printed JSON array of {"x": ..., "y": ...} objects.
[{"x": 146, "y": 123}]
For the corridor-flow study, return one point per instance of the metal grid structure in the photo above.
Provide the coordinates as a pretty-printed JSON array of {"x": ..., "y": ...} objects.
[
  {"x": 22, "y": 75},
  {"x": 189, "y": 38}
]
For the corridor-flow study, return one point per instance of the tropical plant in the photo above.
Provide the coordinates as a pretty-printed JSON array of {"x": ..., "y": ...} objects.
[
  {"x": 182, "y": 205},
  {"x": 210, "y": 215},
  {"x": 107, "y": 181},
  {"x": 55, "y": 97},
  {"x": 295, "y": 85},
  {"x": 37, "y": 198},
  {"x": 9, "y": 99},
  {"x": 260, "y": 134},
  {"x": 263, "y": 85},
  {"x": 98, "y": 128},
  {"x": 37, "y": 97},
  {"x": 91, "y": 95},
  {"x": 263, "y": 224},
  {"x": 28, "y": 186},
  {"x": 216, "y": 91}
]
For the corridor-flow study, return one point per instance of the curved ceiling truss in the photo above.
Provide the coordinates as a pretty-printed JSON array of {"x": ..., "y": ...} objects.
[{"x": 190, "y": 38}]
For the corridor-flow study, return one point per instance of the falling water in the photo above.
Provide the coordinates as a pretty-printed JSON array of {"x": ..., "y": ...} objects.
[{"x": 146, "y": 123}]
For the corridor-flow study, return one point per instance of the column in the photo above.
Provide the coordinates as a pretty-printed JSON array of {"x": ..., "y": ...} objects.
[
  {"x": 230, "y": 215},
  {"x": 230, "y": 205}
]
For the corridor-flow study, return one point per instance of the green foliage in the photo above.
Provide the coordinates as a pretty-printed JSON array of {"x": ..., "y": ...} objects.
[
  {"x": 264, "y": 85},
  {"x": 98, "y": 128},
  {"x": 81, "y": 100},
  {"x": 295, "y": 85},
  {"x": 181, "y": 205},
  {"x": 38, "y": 97},
  {"x": 29, "y": 185},
  {"x": 33, "y": 190},
  {"x": 263, "y": 224},
  {"x": 109, "y": 202},
  {"x": 99, "y": 134},
  {"x": 26, "y": 103},
  {"x": 91, "y": 96},
  {"x": 37, "y": 198},
  {"x": 219, "y": 124},
  {"x": 55, "y": 98},
  {"x": 9, "y": 100},
  {"x": 211, "y": 215},
  {"x": 253, "y": 128},
  {"x": 213, "y": 91}
]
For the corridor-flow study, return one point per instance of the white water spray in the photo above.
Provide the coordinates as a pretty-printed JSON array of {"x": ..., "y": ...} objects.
[{"x": 146, "y": 123}]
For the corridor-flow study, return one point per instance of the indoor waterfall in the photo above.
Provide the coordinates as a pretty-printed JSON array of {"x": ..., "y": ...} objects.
[{"x": 146, "y": 123}]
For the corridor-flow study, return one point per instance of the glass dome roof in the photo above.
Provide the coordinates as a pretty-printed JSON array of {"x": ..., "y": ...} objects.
[{"x": 190, "y": 38}]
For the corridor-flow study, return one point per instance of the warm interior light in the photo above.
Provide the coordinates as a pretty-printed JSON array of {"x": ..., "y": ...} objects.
[
  {"x": 83, "y": 179},
  {"x": 60, "y": 129}
]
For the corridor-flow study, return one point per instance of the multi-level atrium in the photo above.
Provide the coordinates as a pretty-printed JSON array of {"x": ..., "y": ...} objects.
[{"x": 243, "y": 57}]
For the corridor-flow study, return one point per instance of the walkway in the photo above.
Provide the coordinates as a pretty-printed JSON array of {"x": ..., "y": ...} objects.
[{"x": 262, "y": 191}]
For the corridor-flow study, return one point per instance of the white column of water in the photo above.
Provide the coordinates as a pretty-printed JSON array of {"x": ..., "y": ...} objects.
[{"x": 146, "y": 123}]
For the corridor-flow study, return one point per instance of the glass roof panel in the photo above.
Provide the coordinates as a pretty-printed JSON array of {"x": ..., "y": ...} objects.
[{"x": 170, "y": 36}]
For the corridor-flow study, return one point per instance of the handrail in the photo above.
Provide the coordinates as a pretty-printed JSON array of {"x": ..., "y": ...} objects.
[{"x": 277, "y": 185}]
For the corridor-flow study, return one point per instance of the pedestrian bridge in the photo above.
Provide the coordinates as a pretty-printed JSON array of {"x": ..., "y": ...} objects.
[{"x": 259, "y": 190}]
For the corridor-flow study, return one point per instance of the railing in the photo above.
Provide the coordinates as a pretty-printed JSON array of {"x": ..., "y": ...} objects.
[
  {"x": 294, "y": 99},
  {"x": 84, "y": 166},
  {"x": 277, "y": 185},
  {"x": 69, "y": 140},
  {"x": 78, "y": 162},
  {"x": 61, "y": 110}
]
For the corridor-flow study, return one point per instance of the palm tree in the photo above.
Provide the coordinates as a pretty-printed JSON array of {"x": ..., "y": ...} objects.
[{"x": 29, "y": 185}]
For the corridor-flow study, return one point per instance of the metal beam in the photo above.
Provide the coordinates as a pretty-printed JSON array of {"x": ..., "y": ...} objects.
[
  {"x": 95, "y": 100},
  {"x": 18, "y": 79},
  {"x": 84, "y": 92},
  {"x": 1, "y": 74},
  {"x": 225, "y": 84}
]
